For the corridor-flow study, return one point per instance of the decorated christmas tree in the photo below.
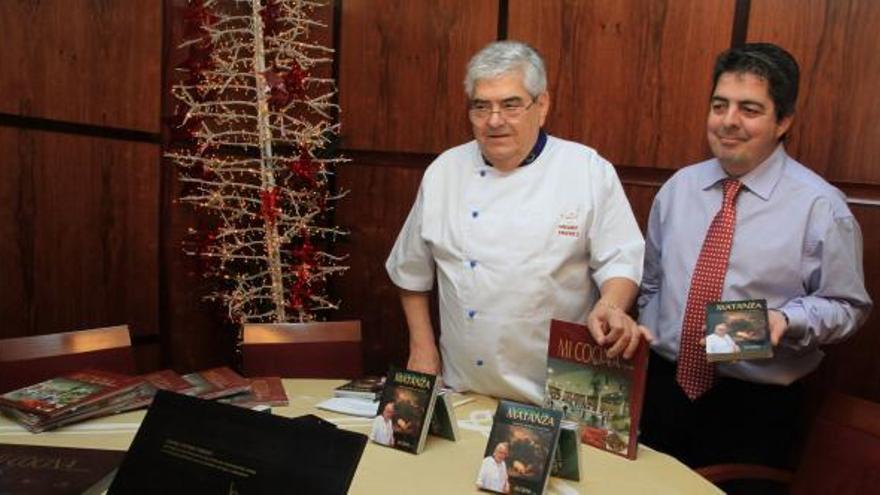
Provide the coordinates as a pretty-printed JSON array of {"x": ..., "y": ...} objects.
[{"x": 256, "y": 123}]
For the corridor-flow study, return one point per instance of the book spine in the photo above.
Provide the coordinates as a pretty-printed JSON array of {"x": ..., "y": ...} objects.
[{"x": 429, "y": 412}]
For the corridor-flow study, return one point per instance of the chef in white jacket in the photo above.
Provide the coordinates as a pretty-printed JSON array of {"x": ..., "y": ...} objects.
[{"x": 518, "y": 227}]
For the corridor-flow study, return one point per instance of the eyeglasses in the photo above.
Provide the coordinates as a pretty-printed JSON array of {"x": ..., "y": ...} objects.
[{"x": 509, "y": 109}]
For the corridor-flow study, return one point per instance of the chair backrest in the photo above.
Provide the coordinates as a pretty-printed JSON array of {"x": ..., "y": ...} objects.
[
  {"x": 842, "y": 455},
  {"x": 325, "y": 349},
  {"x": 28, "y": 360}
]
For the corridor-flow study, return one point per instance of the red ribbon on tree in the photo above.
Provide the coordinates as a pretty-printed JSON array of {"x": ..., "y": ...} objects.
[
  {"x": 268, "y": 204},
  {"x": 284, "y": 86},
  {"x": 270, "y": 14},
  {"x": 196, "y": 18},
  {"x": 304, "y": 168},
  {"x": 294, "y": 81},
  {"x": 301, "y": 291}
]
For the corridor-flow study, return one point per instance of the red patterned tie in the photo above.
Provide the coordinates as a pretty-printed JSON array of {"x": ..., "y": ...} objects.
[{"x": 695, "y": 375}]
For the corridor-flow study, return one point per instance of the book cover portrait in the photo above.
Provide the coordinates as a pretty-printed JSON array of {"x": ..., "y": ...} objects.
[
  {"x": 737, "y": 330},
  {"x": 520, "y": 449},
  {"x": 406, "y": 406}
]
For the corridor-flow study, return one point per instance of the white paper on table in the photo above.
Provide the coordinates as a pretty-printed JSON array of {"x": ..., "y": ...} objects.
[{"x": 351, "y": 406}]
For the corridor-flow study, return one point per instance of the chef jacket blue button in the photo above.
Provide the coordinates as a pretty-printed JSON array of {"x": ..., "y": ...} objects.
[
  {"x": 475, "y": 214},
  {"x": 471, "y": 313},
  {"x": 473, "y": 263},
  {"x": 482, "y": 173},
  {"x": 479, "y": 362}
]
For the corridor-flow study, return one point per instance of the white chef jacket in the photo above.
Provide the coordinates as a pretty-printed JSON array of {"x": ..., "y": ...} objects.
[{"x": 511, "y": 251}]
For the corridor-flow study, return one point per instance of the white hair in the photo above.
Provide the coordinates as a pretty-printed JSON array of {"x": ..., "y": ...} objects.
[{"x": 504, "y": 57}]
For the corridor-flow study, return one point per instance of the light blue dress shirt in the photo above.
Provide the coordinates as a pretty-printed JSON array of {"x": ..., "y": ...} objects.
[{"x": 796, "y": 244}]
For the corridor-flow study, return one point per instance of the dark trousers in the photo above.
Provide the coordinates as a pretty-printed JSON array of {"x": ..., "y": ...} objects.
[{"x": 734, "y": 422}]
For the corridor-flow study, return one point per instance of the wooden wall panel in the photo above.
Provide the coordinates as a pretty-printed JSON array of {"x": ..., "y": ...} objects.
[
  {"x": 837, "y": 128},
  {"x": 641, "y": 197},
  {"x": 401, "y": 71},
  {"x": 379, "y": 200},
  {"x": 628, "y": 77},
  {"x": 84, "y": 61},
  {"x": 852, "y": 366},
  {"x": 78, "y": 233}
]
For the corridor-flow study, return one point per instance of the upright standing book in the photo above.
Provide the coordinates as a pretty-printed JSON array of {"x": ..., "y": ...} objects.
[
  {"x": 737, "y": 330},
  {"x": 404, "y": 415},
  {"x": 603, "y": 394},
  {"x": 520, "y": 450},
  {"x": 444, "y": 424}
]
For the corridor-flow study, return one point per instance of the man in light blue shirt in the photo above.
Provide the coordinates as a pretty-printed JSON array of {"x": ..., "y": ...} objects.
[{"x": 795, "y": 244}]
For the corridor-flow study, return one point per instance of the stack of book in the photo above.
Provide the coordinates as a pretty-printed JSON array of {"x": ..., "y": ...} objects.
[
  {"x": 71, "y": 398},
  {"x": 367, "y": 388},
  {"x": 358, "y": 397},
  {"x": 87, "y": 394}
]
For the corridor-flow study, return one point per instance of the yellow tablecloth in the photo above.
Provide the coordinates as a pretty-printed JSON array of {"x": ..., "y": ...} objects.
[{"x": 444, "y": 467}]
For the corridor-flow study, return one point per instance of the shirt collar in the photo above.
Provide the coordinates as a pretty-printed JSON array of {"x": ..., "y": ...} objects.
[
  {"x": 761, "y": 181},
  {"x": 533, "y": 155}
]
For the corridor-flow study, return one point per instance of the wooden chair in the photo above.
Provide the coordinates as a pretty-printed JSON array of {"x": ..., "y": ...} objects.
[
  {"x": 28, "y": 360},
  {"x": 329, "y": 349},
  {"x": 841, "y": 457}
]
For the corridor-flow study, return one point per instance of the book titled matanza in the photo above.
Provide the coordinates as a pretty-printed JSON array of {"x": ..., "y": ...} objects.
[
  {"x": 603, "y": 394},
  {"x": 405, "y": 410},
  {"x": 520, "y": 450},
  {"x": 737, "y": 330}
]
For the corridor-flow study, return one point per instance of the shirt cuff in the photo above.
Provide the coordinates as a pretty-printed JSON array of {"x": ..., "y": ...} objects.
[{"x": 797, "y": 326}]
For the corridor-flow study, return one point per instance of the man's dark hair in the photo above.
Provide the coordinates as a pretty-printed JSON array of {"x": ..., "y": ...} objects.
[{"x": 768, "y": 61}]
